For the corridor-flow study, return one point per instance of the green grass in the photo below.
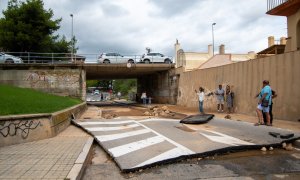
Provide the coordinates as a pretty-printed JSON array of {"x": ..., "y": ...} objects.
[{"x": 14, "y": 100}]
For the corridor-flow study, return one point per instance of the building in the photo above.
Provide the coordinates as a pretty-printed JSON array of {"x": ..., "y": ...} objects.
[{"x": 290, "y": 9}]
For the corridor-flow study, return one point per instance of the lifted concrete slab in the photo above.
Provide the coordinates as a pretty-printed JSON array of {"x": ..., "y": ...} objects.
[{"x": 136, "y": 144}]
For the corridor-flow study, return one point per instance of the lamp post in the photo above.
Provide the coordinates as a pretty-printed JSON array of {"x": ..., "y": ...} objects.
[
  {"x": 72, "y": 39},
  {"x": 213, "y": 41}
]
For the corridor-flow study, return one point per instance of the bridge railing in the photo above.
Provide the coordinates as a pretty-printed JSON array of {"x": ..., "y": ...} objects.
[{"x": 66, "y": 58}]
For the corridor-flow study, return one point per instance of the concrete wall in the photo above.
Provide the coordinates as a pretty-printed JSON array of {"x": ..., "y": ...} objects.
[
  {"x": 162, "y": 87},
  {"x": 246, "y": 77},
  {"x": 63, "y": 81},
  {"x": 26, "y": 128}
]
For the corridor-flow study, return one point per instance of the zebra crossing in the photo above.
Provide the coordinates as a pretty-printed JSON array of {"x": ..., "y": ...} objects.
[
  {"x": 136, "y": 144},
  {"x": 125, "y": 138}
]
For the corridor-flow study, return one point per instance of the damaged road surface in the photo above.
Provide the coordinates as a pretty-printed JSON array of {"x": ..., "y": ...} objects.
[{"x": 136, "y": 144}]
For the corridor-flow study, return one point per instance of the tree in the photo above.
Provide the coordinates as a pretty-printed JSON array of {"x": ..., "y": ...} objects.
[
  {"x": 125, "y": 86},
  {"x": 27, "y": 26}
]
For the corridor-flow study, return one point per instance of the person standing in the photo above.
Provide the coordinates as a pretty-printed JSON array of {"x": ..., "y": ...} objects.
[
  {"x": 201, "y": 99},
  {"x": 144, "y": 97},
  {"x": 229, "y": 99},
  {"x": 220, "y": 98},
  {"x": 265, "y": 100},
  {"x": 274, "y": 95}
]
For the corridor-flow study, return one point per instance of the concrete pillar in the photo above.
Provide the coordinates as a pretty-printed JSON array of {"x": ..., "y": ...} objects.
[
  {"x": 283, "y": 41},
  {"x": 210, "y": 50},
  {"x": 270, "y": 41},
  {"x": 222, "y": 49},
  {"x": 177, "y": 47}
]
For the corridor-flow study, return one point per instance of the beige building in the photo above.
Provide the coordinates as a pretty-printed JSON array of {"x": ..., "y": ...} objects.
[
  {"x": 290, "y": 9},
  {"x": 201, "y": 60},
  {"x": 191, "y": 60}
]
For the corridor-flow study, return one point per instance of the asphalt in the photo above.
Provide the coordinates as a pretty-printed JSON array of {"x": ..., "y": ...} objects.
[{"x": 139, "y": 144}]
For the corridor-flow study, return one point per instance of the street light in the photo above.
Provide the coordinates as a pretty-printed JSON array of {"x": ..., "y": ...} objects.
[
  {"x": 213, "y": 41},
  {"x": 72, "y": 39}
]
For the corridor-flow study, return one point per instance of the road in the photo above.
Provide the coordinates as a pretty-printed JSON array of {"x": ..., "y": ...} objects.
[{"x": 140, "y": 143}]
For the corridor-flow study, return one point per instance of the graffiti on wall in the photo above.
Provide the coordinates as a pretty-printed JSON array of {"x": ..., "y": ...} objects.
[
  {"x": 22, "y": 127},
  {"x": 53, "y": 79}
]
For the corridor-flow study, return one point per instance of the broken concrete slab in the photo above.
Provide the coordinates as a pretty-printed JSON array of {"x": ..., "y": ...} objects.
[{"x": 136, "y": 144}]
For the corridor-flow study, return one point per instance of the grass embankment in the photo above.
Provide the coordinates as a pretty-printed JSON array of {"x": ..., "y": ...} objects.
[{"x": 14, "y": 100}]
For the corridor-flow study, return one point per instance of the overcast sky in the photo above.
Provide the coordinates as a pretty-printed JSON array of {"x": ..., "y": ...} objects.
[{"x": 129, "y": 26}]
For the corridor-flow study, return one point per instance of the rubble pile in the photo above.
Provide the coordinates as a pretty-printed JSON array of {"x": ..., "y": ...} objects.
[{"x": 159, "y": 111}]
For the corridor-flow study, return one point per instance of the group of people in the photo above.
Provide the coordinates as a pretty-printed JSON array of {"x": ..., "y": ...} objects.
[
  {"x": 222, "y": 96},
  {"x": 264, "y": 107},
  {"x": 265, "y": 104}
]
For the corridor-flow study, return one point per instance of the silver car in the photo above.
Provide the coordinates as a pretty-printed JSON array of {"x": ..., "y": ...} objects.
[
  {"x": 9, "y": 59},
  {"x": 107, "y": 58}
]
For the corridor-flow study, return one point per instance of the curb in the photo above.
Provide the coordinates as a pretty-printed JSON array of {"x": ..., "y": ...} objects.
[{"x": 78, "y": 168}]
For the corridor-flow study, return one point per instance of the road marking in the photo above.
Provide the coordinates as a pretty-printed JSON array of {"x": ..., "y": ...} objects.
[
  {"x": 111, "y": 137},
  {"x": 175, "y": 152},
  {"x": 169, "y": 140},
  {"x": 225, "y": 139},
  {"x": 167, "y": 120},
  {"x": 101, "y": 122},
  {"x": 127, "y": 148},
  {"x": 112, "y": 128}
]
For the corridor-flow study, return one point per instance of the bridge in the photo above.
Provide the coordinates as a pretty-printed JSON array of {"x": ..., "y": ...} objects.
[{"x": 70, "y": 79}]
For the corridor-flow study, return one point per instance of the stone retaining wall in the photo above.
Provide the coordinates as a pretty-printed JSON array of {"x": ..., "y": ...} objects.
[{"x": 26, "y": 128}]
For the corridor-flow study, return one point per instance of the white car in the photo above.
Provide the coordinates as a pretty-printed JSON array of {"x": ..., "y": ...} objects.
[
  {"x": 155, "y": 58},
  {"x": 107, "y": 58},
  {"x": 9, "y": 59}
]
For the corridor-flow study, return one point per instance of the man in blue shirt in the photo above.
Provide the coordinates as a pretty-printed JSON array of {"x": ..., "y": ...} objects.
[{"x": 264, "y": 103}]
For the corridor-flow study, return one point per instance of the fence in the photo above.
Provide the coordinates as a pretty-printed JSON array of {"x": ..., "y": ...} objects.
[{"x": 274, "y": 3}]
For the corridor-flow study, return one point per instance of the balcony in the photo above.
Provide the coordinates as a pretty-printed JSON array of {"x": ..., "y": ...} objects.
[{"x": 283, "y": 7}]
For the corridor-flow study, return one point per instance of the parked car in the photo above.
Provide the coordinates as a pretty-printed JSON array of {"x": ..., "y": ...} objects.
[
  {"x": 107, "y": 58},
  {"x": 9, "y": 59},
  {"x": 155, "y": 58},
  {"x": 96, "y": 92}
]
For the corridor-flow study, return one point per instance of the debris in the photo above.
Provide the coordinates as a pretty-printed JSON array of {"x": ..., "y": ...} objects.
[
  {"x": 147, "y": 113},
  {"x": 274, "y": 134},
  {"x": 263, "y": 149},
  {"x": 164, "y": 108},
  {"x": 167, "y": 111},
  {"x": 284, "y": 145},
  {"x": 271, "y": 148},
  {"x": 227, "y": 116},
  {"x": 289, "y": 147},
  {"x": 108, "y": 116},
  {"x": 286, "y": 136},
  {"x": 163, "y": 113}
]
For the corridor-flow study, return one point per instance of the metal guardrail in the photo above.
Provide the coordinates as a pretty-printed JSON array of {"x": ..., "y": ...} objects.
[
  {"x": 66, "y": 58},
  {"x": 274, "y": 3}
]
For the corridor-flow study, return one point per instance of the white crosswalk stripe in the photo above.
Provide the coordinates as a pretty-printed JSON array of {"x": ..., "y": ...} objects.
[
  {"x": 128, "y": 148},
  {"x": 111, "y": 137},
  {"x": 111, "y": 128}
]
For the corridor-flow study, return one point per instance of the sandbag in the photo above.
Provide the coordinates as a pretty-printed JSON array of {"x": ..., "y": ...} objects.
[{"x": 197, "y": 119}]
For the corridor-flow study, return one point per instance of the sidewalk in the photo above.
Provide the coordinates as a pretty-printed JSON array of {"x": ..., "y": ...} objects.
[
  {"x": 61, "y": 157},
  {"x": 284, "y": 124}
]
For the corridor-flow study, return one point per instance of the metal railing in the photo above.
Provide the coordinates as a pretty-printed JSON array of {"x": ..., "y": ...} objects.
[
  {"x": 274, "y": 3},
  {"x": 66, "y": 58}
]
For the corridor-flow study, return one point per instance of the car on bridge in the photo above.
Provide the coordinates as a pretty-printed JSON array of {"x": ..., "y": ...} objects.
[
  {"x": 155, "y": 58},
  {"x": 108, "y": 58},
  {"x": 9, "y": 59}
]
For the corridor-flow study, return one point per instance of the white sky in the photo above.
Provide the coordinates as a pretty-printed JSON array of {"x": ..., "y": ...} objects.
[{"x": 129, "y": 26}]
